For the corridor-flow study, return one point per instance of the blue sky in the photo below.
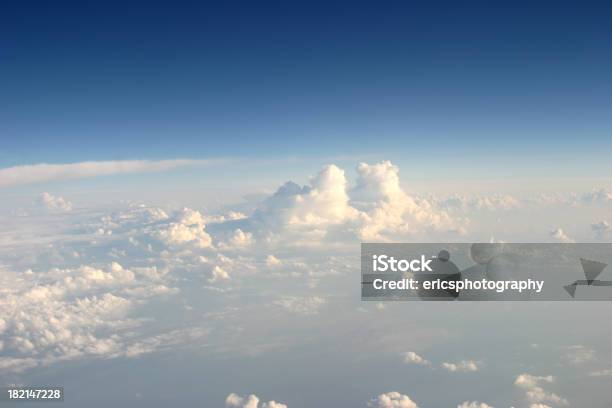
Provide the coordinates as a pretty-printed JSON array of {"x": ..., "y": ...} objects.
[{"x": 170, "y": 80}]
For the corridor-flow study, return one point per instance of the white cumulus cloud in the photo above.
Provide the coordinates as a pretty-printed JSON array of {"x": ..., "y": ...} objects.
[
  {"x": 560, "y": 236},
  {"x": 239, "y": 239},
  {"x": 374, "y": 208},
  {"x": 70, "y": 313},
  {"x": 186, "y": 228},
  {"x": 386, "y": 210},
  {"x": 252, "y": 401},
  {"x": 411, "y": 357},
  {"x": 392, "y": 399},
  {"x": 534, "y": 391},
  {"x": 54, "y": 203}
]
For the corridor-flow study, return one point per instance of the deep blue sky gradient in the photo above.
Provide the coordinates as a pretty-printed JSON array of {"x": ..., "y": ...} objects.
[{"x": 112, "y": 80}]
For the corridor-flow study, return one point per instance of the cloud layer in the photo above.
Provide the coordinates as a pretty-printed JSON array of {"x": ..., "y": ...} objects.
[
  {"x": 243, "y": 281},
  {"x": 37, "y": 173}
]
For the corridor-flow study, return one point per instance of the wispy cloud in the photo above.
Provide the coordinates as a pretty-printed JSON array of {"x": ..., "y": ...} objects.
[
  {"x": 464, "y": 366},
  {"x": 37, "y": 173}
]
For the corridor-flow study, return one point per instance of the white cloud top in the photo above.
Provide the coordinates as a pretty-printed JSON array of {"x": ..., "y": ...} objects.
[
  {"x": 392, "y": 399},
  {"x": 54, "y": 203},
  {"x": 413, "y": 358},
  {"x": 534, "y": 391},
  {"x": 252, "y": 401}
]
